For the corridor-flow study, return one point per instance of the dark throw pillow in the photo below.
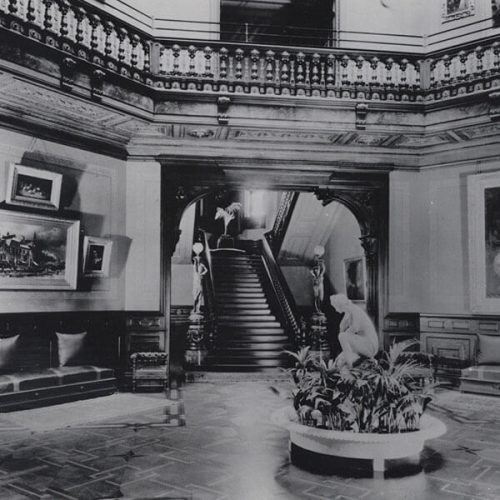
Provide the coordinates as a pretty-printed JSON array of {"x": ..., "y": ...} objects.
[
  {"x": 7, "y": 352},
  {"x": 71, "y": 348},
  {"x": 488, "y": 350}
]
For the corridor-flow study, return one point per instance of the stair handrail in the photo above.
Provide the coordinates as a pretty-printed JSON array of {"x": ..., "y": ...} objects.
[
  {"x": 282, "y": 292},
  {"x": 284, "y": 214},
  {"x": 209, "y": 292}
]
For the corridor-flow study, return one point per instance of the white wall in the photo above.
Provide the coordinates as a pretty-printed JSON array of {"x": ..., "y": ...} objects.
[
  {"x": 94, "y": 190},
  {"x": 143, "y": 230},
  {"x": 429, "y": 240}
]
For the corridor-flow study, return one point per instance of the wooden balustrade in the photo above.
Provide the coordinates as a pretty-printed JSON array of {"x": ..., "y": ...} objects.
[
  {"x": 89, "y": 33},
  {"x": 284, "y": 214},
  {"x": 209, "y": 294},
  {"x": 282, "y": 293}
]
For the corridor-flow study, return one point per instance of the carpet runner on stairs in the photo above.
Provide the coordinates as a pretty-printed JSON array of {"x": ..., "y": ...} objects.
[{"x": 250, "y": 336}]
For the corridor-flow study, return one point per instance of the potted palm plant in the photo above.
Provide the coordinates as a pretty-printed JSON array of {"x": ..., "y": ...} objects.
[
  {"x": 372, "y": 411},
  {"x": 227, "y": 215}
]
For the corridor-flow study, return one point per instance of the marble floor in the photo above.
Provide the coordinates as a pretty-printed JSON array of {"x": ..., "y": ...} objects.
[{"x": 229, "y": 449}]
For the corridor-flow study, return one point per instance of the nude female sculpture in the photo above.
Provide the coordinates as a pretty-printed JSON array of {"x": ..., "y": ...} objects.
[{"x": 357, "y": 334}]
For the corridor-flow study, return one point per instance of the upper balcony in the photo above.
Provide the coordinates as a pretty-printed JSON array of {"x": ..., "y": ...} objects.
[
  {"x": 95, "y": 54},
  {"x": 88, "y": 36}
]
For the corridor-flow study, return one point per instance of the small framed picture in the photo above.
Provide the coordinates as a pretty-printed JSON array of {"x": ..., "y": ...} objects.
[
  {"x": 354, "y": 276},
  {"x": 457, "y": 9},
  {"x": 96, "y": 256},
  {"x": 32, "y": 187}
]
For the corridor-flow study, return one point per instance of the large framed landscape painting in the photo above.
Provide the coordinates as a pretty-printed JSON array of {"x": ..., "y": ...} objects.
[
  {"x": 38, "y": 252},
  {"x": 484, "y": 242}
]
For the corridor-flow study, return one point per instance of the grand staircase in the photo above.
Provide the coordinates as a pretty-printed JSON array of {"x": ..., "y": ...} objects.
[{"x": 250, "y": 337}]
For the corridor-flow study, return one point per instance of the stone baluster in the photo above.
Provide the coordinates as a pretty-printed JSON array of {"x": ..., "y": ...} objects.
[
  {"x": 495, "y": 47},
  {"x": 109, "y": 29},
  {"x": 31, "y": 12},
  {"x": 432, "y": 72},
  {"x": 330, "y": 71},
  {"x": 299, "y": 77},
  {"x": 14, "y": 8},
  {"x": 238, "y": 55},
  {"x": 176, "y": 52},
  {"x": 389, "y": 63},
  {"x": 285, "y": 68},
  {"x": 269, "y": 66},
  {"x": 80, "y": 15},
  {"x": 315, "y": 75},
  {"x": 192, "y": 55},
  {"x": 122, "y": 37},
  {"x": 134, "y": 56},
  {"x": 254, "y": 68},
  {"x": 64, "y": 9},
  {"x": 162, "y": 60},
  {"x": 344, "y": 62},
  {"x": 48, "y": 20},
  {"x": 403, "y": 66},
  {"x": 223, "y": 61},
  {"x": 360, "y": 61},
  {"x": 147, "y": 57},
  {"x": 374, "y": 62},
  {"x": 462, "y": 57},
  {"x": 95, "y": 22},
  {"x": 446, "y": 60},
  {"x": 207, "y": 53},
  {"x": 479, "y": 53},
  {"x": 418, "y": 69}
]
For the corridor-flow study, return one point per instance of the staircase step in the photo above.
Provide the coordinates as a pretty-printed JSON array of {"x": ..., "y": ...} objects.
[
  {"x": 244, "y": 310},
  {"x": 238, "y": 285},
  {"x": 280, "y": 343},
  {"x": 247, "y": 354},
  {"x": 241, "y": 318},
  {"x": 241, "y": 295},
  {"x": 249, "y": 324},
  {"x": 242, "y": 363},
  {"x": 236, "y": 302}
]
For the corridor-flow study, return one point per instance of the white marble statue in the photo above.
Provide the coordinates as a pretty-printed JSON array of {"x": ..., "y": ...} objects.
[{"x": 357, "y": 333}]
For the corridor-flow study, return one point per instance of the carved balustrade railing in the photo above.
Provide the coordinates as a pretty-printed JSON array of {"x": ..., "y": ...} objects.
[
  {"x": 282, "y": 293},
  {"x": 276, "y": 235},
  {"x": 86, "y": 33}
]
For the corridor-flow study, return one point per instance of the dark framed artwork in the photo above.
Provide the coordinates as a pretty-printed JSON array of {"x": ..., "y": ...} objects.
[
  {"x": 38, "y": 252},
  {"x": 484, "y": 242},
  {"x": 457, "y": 9},
  {"x": 32, "y": 187},
  {"x": 96, "y": 256},
  {"x": 354, "y": 277}
]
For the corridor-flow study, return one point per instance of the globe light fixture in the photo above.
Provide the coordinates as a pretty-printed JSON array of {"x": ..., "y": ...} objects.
[
  {"x": 319, "y": 251},
  {"x": 198, "y": 248}
]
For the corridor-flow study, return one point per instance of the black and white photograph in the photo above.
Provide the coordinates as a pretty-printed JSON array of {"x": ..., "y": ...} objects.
[
  {"x": 250, "y": 249},
  {"x": 33, "y": 187},
  {"x": 97, "y": 256}
]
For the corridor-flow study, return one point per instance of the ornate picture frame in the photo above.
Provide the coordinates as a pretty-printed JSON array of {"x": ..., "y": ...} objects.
[
  {"x": 483, "y": 193},
  {"x": 457, "y": 9},
  {"x": 38, "y": 252},
  {"x": 32, "y": 187},
  {"x": 96, "y": 256},
  {"x": 355, "y": 278}
]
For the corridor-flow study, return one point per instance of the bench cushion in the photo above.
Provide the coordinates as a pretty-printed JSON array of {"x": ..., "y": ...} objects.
[{"x": 51, "y": 377}]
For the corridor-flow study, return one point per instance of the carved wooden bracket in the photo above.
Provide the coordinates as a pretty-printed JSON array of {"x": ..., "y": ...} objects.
[
  {"x": 494, "y": 109},
  {"x": 97, "y": 80},
  {"x": 223, "y": 103},
  {"x": 67, "y": 68},
  {"x": 361, "y": 112}
]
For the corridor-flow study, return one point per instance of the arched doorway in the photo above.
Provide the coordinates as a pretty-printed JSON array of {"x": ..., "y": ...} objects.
[{"x": 365, "y": 197}]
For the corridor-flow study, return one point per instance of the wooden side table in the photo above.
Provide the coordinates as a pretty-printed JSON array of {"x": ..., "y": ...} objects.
[{"x": 149, "y": 370}]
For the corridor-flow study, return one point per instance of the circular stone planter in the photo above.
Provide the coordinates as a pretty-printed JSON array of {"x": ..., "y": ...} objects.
[{"x": 354, "y": 445}]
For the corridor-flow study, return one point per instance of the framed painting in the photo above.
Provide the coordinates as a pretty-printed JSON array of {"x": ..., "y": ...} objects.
[
  {"x": 483, "y": 193},
  {"x": 38, "y": 252},
  {"x": 457, "y": 9},
  {"x": 32, "y": 187},
  {"x": 96, "y": 256},
  {"x": 354, "y": 278}
]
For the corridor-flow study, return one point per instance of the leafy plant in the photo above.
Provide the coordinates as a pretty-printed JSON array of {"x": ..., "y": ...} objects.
[
  {"x": 377, "y": 395},
  {"x": 227, "y": 214}
]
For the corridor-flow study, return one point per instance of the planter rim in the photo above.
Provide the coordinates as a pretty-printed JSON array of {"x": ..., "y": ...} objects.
[{"x": 430, "y": 427}]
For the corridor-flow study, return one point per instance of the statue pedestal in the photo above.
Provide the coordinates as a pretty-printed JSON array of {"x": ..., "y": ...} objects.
[
  {"x": 318, "y": 335},
  {"x": 196, "y": 348}
]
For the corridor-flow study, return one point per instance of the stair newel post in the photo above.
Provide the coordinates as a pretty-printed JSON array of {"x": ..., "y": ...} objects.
[
  {"x": 318, "y": 332},
  {"x": 197, "y": 345}
]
